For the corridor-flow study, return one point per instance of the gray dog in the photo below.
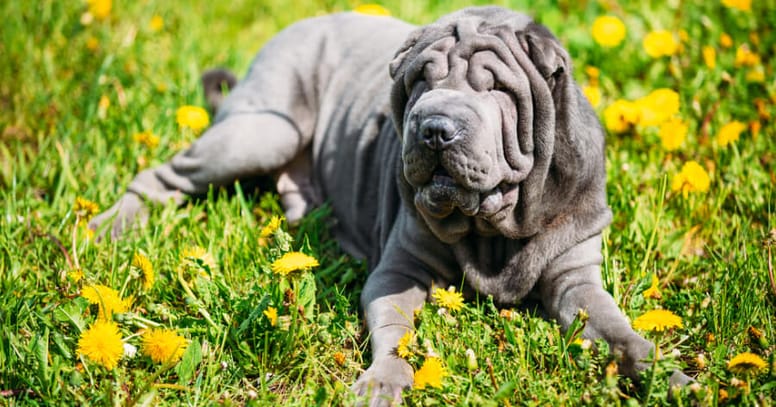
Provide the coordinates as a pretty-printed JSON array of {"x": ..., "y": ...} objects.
[{"x": 477, "y": 161}]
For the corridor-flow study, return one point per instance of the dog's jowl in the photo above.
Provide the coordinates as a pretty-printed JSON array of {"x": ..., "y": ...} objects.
[{"x": 457, "y": 153}]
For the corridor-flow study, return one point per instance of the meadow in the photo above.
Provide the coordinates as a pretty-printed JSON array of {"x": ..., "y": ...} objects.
[{"x": 204, "y": 306}]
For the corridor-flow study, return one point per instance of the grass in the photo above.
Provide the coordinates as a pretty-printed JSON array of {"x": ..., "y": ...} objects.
[{"x": 711, "y": 251}]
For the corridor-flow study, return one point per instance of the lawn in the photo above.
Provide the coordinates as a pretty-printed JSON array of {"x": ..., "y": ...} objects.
[{"x": 193, "y": 309}]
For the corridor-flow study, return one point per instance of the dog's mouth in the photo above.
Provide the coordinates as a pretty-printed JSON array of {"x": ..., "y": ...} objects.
[{"x": 442, "y": 196}]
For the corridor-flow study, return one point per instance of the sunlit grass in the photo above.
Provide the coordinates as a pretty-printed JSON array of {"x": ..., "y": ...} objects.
[{"x": 75, "y": 93}]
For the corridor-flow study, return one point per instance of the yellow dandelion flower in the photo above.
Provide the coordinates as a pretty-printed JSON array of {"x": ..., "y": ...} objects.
[
  {"x": 657, "y": 320},
  {"x": 100, "y": 9},
  {"x": 743, "y": 5},
  {"x": 660, "y": 43},
  {"x": 164, "y": 345},
  {"x": 449, "y": 298},
  {"x": 146, "y": 138},
  {"x": 756, "y": 74},
  {"x": 608, "y": 31},
  {"x": 192, "y": 117},
  {"x": 593, "y": 95},
  {"x": 372, "y": 10},
  {"x": 746, "y": 363},
  {"x": 339, "y": 358},
  {"x": 657, "y": 107},
  {"x": 107, "y": 299},
  {"x": 76, "y": 275},
  {"x": 198, "y": 258},
  {"x": 730, "y": 133},
  {"x": 92, "y": 43},
  {"x": 621, "y": 115},
  {"x": 271, "y": 227},
  {"x": 654, "y": 290},
  {"x": 754, "y": 128},
  {"x": 293, "y": 261},
  {"x": 672, "y": 133},
  {"x": 709, "y": 57},
  {"x": 725, "y": 40},
  {"x": 403, "y": 348},
  {"x": 144, "y": 265},
  {"x": 102, "y": 344},
  {"x": 156, "y": 23},
  {"x": 272, "y": 315},
  {"x": 430, "y": 374},
  {"x": 592, "y": 72},
  {"x": 745, "y": 57},
  {"x": 85, "y": 208},
  {"x": 692, "y": 178}
]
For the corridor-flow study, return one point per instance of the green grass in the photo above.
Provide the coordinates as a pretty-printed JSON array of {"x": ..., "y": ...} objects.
[{"x": 712, "y": 251}]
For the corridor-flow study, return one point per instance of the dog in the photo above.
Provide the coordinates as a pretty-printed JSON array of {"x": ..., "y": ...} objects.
[{"x": 457, "y": 153}]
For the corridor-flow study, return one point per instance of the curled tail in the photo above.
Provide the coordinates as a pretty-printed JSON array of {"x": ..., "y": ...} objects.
[{"x": 217, "y": 82}]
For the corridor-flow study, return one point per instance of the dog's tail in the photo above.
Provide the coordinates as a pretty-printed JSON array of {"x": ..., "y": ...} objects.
[{"x": 217, "y": 83}]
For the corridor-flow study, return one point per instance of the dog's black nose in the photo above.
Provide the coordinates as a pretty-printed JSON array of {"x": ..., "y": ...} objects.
[{"x": 437, "y": 132}]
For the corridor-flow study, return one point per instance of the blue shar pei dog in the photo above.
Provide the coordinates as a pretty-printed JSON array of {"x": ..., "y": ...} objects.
[{"x": 458, "y": 153}]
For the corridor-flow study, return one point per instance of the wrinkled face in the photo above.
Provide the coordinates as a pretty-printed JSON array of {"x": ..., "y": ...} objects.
[
  {"x": 477, "y": 126},
  {"x": 454, "y": 158}
]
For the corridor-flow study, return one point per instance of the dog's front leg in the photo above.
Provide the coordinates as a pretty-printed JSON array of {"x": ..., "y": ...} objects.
[
  {"x": 391, "y": 295},
  {"x": 572, "y": 282}
]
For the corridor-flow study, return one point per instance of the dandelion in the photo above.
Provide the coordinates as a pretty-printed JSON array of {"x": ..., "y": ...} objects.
[
  {"x": 755, "y": 75},
  {"x": 85, "y": 208},
  {"x": 608, "y": 31},
  {"x": 107, "y": 299},
  {"x": 745, "y": 57},
  {"x": 403, "y": 348},
  {"x": 102, "y": 344},
  {"x": 593, "y": 94},
  {"x": 339, "y": 358},
  {"x": 672, "y": 133},
  {"x": 199, "y": 258},
  {"x": 743, "y": 5},
  {"x": 293, "y": 261},
  {"x": 657, "y": 107},
  {"x": 430, "y": 374},
  {"x": 146, "y": 138},
  {"x": 449, "y": 298},
  {"x": 76, "y": 275},
  {"x": 746, "y": 362},
  {"x": 100, "y": 9},
  {"x": 709, "y": 56},
  {"x": 657, "y": 320},
  {"x": 372, "y": 10},
  {"x": 144, "y": 265},
  {"x": 192, "y": 117},
  {"x": 660, "y": 43},
  {"x": 754, "y": 128},
  {"x": 102, "y": 106},
  {"x": 271, "y": 227},
  {"x": 620, "y": 115},
  {"x": 725, "y": 41},
  {"x": 156, "y": 23},
  {"x": 163, "y": 345},
  {"x": 653, "y": 291},
  {"x": 730, "y": 133},
  {"x": 272, "y": 315},
  {"x": 692, "y": 178},
  {"x": 92, "y": 43}
]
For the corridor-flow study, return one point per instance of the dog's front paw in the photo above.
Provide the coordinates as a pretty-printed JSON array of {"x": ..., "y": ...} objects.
[{"x": 383, "y": 382}]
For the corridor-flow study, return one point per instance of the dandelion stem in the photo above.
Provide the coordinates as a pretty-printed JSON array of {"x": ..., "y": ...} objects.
[
  {"x": 75, "y": 233},
  {"x": 196, "y": 302}
]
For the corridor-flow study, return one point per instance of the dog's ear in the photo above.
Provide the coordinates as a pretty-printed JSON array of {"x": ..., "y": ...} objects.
[
  {"x": 395, "y": 68},
  {"x": 545, "y": 51}
]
